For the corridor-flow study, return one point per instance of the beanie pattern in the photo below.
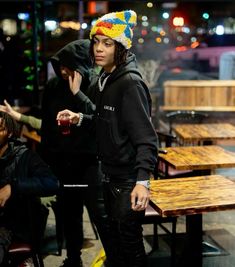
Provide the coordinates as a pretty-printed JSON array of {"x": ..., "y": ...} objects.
[{"x": 117, "y": 26}]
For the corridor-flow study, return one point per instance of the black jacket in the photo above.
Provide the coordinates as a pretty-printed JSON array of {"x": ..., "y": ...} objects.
[
  {"x": 30, "y": 178},
  {"x": 127, "y": 142},
  {"x": 64, "y": 153}
]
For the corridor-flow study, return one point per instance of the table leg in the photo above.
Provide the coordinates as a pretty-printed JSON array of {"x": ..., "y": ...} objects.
[
  {"x": 192, "y": 255},
  {"x": 194, "y": 227}
]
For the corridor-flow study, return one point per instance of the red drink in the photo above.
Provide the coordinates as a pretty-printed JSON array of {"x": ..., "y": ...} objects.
[{"x": 64, "y": 125}]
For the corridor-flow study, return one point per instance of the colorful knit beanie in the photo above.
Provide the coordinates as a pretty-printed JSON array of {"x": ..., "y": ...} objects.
[{"x": 117, "y": 26}]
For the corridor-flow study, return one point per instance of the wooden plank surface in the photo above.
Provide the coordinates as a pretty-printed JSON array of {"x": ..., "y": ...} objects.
[
  {"x": 203, "y": 93},
  {"x": 192, "y": 195},
  {"x": 200, "y": 83},
  {"x": 198, "y": 108},
  {"x": 198, "y": 157},
  {"x": 204, "y": 131},
  {"x": 31, "y": 135}
]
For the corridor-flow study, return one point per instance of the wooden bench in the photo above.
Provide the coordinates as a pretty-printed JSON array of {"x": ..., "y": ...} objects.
[{"x": 199, "y": 95}]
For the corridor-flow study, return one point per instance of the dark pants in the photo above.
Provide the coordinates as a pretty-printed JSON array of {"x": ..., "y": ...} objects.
[
  {"x": 126, "y": 229},
  {"x": 5, "y": 241},
  {"x": 72, "y": 200}
]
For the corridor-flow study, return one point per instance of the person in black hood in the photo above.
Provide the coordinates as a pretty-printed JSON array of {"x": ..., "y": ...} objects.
[
  {"x": 126, "y": 139},
  {"x": 73, "y": 157},
  {"x": 24, "y": 178}
]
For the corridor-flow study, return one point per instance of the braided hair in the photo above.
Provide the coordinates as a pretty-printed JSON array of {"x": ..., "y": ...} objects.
[{"x": 11, "y": 126}]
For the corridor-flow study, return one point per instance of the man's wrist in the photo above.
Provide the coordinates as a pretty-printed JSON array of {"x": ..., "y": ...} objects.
[
  {"x": 145, "y": 183},
  {"x": 80, "y": 119}
]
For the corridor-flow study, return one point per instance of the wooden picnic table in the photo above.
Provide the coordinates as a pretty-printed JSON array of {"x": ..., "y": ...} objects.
[
  {"x": 200, "y": 133},
  {"x": 198, "y": 157},
  {"x": 192, "y": 197}
]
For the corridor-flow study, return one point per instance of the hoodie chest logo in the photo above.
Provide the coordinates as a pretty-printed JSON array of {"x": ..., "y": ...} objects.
[{"x": 109, "y": 108}]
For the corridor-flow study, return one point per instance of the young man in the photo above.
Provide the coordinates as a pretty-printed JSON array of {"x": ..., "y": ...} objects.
[
  {"x": 73, "y": 157},
  {"x": 127, "y": 143},
  {"x": 24, "y": 178}
]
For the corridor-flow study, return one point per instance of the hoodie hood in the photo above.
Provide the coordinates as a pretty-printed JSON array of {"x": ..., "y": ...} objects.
[
  {"x": 74, "y": 56},
  {"x": 129, "y": 66}
]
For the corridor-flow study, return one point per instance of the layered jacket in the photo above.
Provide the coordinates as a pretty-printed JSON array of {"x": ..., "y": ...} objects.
[
  {"x": 126, "y": 139},
  {"x": 30, "y": 178}
]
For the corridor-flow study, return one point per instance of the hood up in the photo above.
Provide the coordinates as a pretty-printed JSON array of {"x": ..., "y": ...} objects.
[{"x": 74, "y": 56}]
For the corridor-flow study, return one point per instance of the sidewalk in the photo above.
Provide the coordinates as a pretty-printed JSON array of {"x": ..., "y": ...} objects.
[{"x": 91, "y": 249}]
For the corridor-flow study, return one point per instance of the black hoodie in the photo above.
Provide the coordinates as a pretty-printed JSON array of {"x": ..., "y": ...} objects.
[
  {"x": 57, "y": 96},
  {"x": 127, "y": 142},
  {"x": 74, "y": 56}
]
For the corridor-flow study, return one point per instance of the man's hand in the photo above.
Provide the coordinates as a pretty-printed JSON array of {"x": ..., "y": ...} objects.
[
  {"x": 73, "y": 117},
  {"x": 75, "y": 82},
  {"x": 5, "y": 193},
  {"x": 139, "y": 198}
]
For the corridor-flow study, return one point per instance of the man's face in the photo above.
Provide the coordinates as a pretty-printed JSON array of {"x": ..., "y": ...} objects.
[
  {"x": 104, "y": 49},
  {"x": 3, "y": 133},
  {"x": 66, "y": 72}
]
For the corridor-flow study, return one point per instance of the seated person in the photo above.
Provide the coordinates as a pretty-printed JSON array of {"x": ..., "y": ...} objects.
[{"x": 24, "y": 178}]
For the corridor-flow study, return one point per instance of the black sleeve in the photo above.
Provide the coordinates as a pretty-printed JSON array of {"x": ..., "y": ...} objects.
[
  {"x": 136, "y": 115},
  {"x": 35, "y": 177},
  {"x": 85, "y": 105}
]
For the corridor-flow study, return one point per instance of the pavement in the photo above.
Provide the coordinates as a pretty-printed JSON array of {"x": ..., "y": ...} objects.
[{"x": 92, "y": 247}]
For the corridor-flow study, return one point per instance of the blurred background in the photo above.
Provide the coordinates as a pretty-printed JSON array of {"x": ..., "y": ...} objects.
[{"x": 173, "y": 40}]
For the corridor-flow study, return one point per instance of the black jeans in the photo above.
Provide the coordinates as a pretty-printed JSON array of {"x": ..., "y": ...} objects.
[
  {"x": 72, "y": 200},
  {"x": 5, "y": 241},
  {"x": 126, "y": 229}
]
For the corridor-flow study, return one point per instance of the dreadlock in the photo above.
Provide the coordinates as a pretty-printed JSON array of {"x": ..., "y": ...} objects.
[
  {"x": 10, "y": 124},
  {"x": 120, "y": 53}
]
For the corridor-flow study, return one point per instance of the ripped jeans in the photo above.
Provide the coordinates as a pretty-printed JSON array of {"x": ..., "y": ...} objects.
[{"x": 126, "y": 229}]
